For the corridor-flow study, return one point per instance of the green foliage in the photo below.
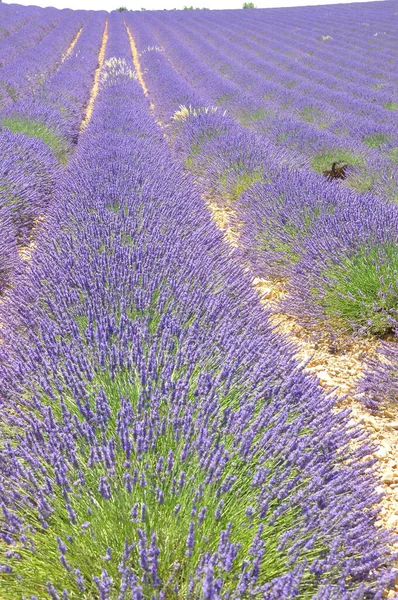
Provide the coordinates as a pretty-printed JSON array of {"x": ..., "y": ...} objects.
[
  {"x": 244, "y": 181},
  {"x": 237, "y": 179},
  {"x": 248, "y": 5},
  {"x": 362, "y": 182},
  {"x": 376, "y": 140},
  {"x": 391, "y": 105},
  {"x": 324, "y": 160},
  {"x": 360, "y": 292},
  {"x": 394, "y": 154},
  {"x": 35, "y": 129},
  {"x": 312, "y": 115},
  {"x": 102, "y": 523},
  {"x": 122, "y": 8},
  {"x": 249, "y": 117}
]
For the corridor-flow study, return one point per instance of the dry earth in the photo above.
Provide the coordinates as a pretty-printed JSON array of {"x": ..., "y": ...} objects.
[
  {"x": 95, "y": 88},
  {"x": 72, "y": 44}
]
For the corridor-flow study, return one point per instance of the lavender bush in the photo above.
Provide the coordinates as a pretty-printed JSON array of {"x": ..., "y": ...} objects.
[
  {"x": 378, "y": 387},
  {"x": 25, "y": 189},
  {"x": 347, "y": 275}
]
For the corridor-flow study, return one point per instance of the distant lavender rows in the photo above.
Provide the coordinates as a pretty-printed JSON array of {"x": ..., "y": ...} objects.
[
  {"x": 39, "y": 133},
  {"x": 308, "y": 118},
  {"x": 31, "y": 33},
  {"x": 160, "y": 439},
  {"x": 293, "y": 223},
  {"x": 28, "y": 71},
  {"x": 13, "y": 18}
]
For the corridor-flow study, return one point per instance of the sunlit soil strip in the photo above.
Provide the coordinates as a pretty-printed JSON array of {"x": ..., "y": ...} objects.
[
  {"x": 95, "y": 88},
  {"x": 72, "y": 45},
  {"x": 137, "y": 65},
  {"x": 136, "y": 61},
  {"x": 222, "y": 217},
  {"x": 25, "y": 252}
]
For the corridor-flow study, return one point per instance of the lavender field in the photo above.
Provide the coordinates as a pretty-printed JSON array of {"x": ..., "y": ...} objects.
[{"x": 199, "y": 304}]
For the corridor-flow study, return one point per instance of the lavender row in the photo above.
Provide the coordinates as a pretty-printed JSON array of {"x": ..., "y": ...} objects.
[
  {"x": 38, "y": 136},
  {"x": 28, "y": 72},
  {"x": 369, "y": 169},
  {"x": 171, "y": 444}
]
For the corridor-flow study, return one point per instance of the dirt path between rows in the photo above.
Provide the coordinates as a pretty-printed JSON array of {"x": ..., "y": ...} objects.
[
  {"x": 72, "y": 44},
  {"x": 95, "y": 88}
]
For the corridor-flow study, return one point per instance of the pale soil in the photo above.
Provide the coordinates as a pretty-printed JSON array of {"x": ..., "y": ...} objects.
[
  {"x": 72, "y": 45},
  {"x": 95, "y": 88},
  {"x": 137, "y": 65}
]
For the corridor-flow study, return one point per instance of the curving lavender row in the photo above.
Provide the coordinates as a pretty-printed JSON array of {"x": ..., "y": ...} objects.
[{"x": 162, "y": 441}]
